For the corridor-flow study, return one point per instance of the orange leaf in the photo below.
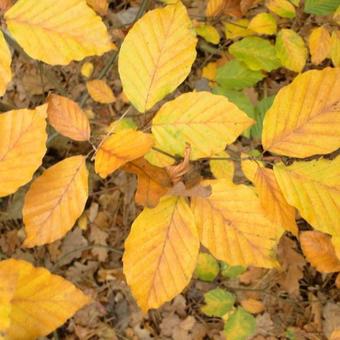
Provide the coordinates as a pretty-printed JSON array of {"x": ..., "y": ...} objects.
[
  {"x": 120, "y": 148},
  {"x": 55, "y": 200},
  {"x": 39, "y": 301},
  {"x": 319, "y": 251},
  {"x": 153, "y": 182},
  {"x": 252, "y": 306},
  {"x": 100, "y": 92},
  {"x": 22, "y": 147},
  {"x": 67, "y": 118},
  {"x": 100, "y": 6}
]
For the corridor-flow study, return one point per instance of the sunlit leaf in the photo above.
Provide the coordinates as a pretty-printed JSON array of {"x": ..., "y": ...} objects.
[
  {"x": 40, "y": 301},
  {"x": 120, "y": 148},
  {"x": 5, "y": 66},
  {"x": 234, "y": 232},
  {"x": 57, "y": 32},
  {"x": 291, "y": 50},
  {"x": 283, "y": 8},
  {"x": 314, "y": 189},
  {"x": 240, "y": 325},
  {"x": 218, "y": 302},
  {"x": 55, "y": 200},
  {"x": 304, "y": 118},
  {"x": 22, "y": 147},
  {"x": 67, "y": 118},
  {"x": 206, "y": 121},
  {"x": 222, "y": 168},
  {"x": 161, "y": 252},
  {"x": 207, "y": 267},
  {"x": 335, "y": 48},
  {"x": 156, "y": 55},
  {"x": 100, "y": 92},
  {"x": 237, "y": 29},
  {"x": 263, "y": 23},
  {"x": 319, "y": 44},
  {"x": 257, "y": 53},
  {"x": 272, "y": 201},
  {"x": 319, "y": 251}
]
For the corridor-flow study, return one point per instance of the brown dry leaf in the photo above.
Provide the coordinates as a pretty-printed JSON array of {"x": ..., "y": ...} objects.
[
  {"x": 252, "y": 306},
  {"x": 176, "y": 172},
  {"x": 214, "y": 8},
  {"x": 331, "y": 317},
  {"x": 100, "y": 6},
  {"x": 179, "y": 189},
  {"x": 292, "y": 265},
  {"x": 319, "y": 251},
  {"x": 245, "y": 5},
  {"x": 153, "y": 182},
  {"x": 5, "y": 5},
  {"x": 68, "y": 118},
  {"x": 99, "y": 237},
  {"x": 100, "y": 92}
]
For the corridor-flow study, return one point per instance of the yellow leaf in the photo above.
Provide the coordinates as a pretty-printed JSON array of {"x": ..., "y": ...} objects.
[
  {"x": 55, "y": 200},
  {"x": 156, "y": 55},
  {"x": 319, "y": 44},
  {"x": 100, "y": 6},
  {"x": 100, "y": 91},
  {"x": 319, "y": 251},
  {"x": 275, "y": 206},
  {"x": 222, "y": 168},
  {"x": 67, "y": 118},
  {"x": 214, "y": 8},
  {"x": 231, "y": 224},
  {"x": 158, "y": 159},
  {"x": 40, "y": 301},
  {"x": 22, "y": 147},
  {"x": 263, "y": 23},
  {"x": 336, "y": 15},
  {"x": 161, "y": 252},
  {"x": 209, "y": 71},
  {"x": 57, "y": 32},
  {"x": 209, "y": 33},
  {"x": 335, "y": 48},
  {"x": 5, "y": 66},
  {"x": 336, "y": 244},
  {"x": 206, "y": 121},
  {"x": 314, "y": 189},
  {"x": 120, "y": 148},
  {"x": 237, "y": 29},
  {"x": 283, "y": 8},
  {"x": 252, "y": 306},
  {"x": 291, "y": 50},
  {"x": 87, "y": 69},
  {"x": 304, "y": 119}
]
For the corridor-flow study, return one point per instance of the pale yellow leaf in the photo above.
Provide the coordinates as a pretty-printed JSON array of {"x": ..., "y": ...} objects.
[
  {"x": 100, "y": 92},
  {"x": 5, "y": 65},
  {"x": 87, "y": 69},
  {"x": 319, "y": 44},
  {"x": 335, "y": 48},
  {"x": 208, "y": 32},
  {"x": 304, "y": 119},
  {"x": 67, "y": 118},
  {"x": 283, "y": 8},
  {"x": 57, "y": 32},
  {"x": 222, "y": 168},
  {"x": 206, "y": 121},
  {"x": 22, "y": 147},
  {"x": 214, "y": 7},
  {"x": 237, "y": 29},
  {"x": 55, "y": 201},
  {"x": 291, "y": 50},
  {"x": 120, "y": 148},
  {"x": 319, "y": 251},
  {"x": 314, "y": 189},
  {"x": 161, "y": 252},
  {"x": 100, "y": 6},
  {"x": 156, "y": 55},
  {"x": 40, "y": 301},
  {"x": 275, "y": 206},
  {"x": 263, "y": 23},
  {"x": 232, "y": 225}
]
